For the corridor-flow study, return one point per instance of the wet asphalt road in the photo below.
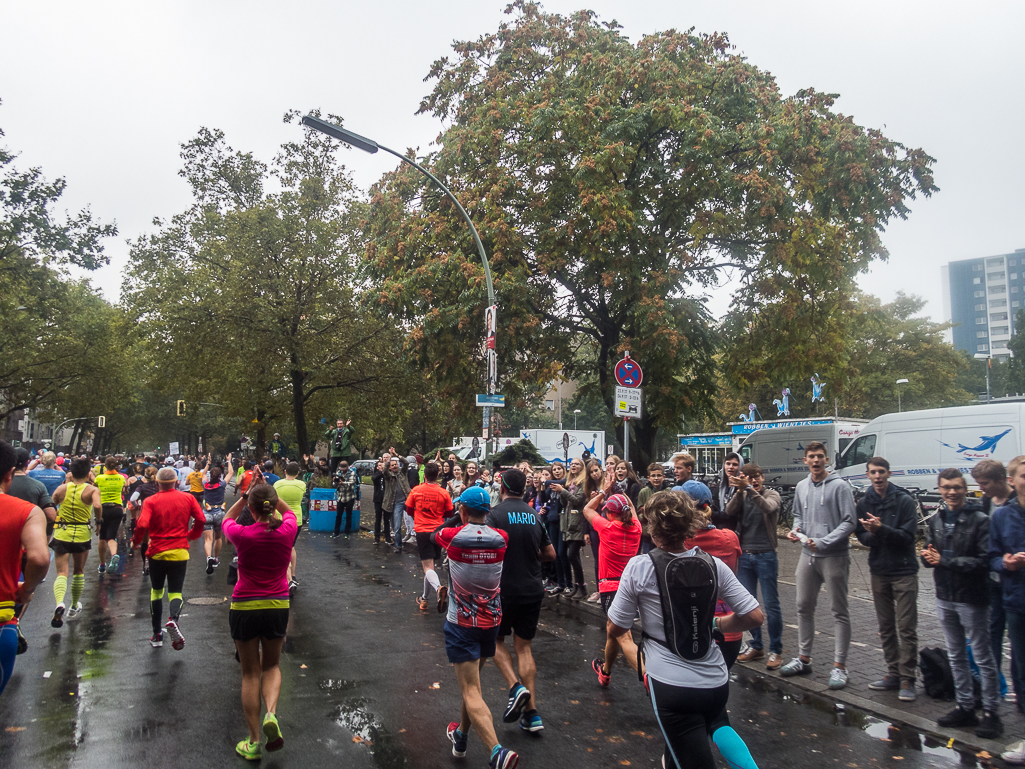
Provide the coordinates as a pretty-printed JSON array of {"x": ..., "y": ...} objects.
[{"x": 365, "y": 683}]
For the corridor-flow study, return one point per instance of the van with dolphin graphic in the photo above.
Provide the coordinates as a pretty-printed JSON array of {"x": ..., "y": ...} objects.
[
  {"x": 919, "y": 444},
  {"x": 778, "y": 447}
]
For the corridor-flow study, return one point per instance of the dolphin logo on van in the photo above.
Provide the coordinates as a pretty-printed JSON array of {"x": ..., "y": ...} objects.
[{"x": 988, "y": 444}]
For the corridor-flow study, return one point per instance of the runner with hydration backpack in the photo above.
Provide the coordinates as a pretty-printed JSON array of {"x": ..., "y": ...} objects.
[{"x": 676, "y": 591}]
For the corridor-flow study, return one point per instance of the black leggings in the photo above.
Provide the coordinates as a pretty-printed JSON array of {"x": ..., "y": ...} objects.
[
  {"x": 572, "y": 550},
  {"x": 380, "y": 519},
  {"x": 687, "y": 718},
  {"x": 174, "y": 573}
]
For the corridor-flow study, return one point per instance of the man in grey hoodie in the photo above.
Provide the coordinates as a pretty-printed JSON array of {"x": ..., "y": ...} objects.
[{"x": 824, "y": 519}]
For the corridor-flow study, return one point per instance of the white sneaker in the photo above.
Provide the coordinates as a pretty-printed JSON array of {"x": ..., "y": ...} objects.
[
  {"x": 1015, "y": 753},
  {"x": 74, "y": 611},
  {"x": 837, "y": 678}
]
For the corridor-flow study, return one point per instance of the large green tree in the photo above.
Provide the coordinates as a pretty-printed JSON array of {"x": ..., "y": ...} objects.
[
  {"x": 252, "y": 299},
  {"x": 611, "y": 181}
]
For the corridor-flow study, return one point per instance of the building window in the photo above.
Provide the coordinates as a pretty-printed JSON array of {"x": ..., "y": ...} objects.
[
  {"x": 994, "y": 276},
  {"x": 998, "y": 290},
  {"x": 997, "y": 261},
  {"x": 994, "y": 303},
  {"x": 550, "y": 405},
  {"x": 998, "y": 316},
  {"x": 1012, "y": 262},
  {"x": 1014, "y": 289},
  {"x": 983, "y": 348},
  {"x": 980, "y": 308},
  {"x": 1015, "y": 304},
  {"x": 979, "y": 293},
  {"x": 978, "y": 267},
  {"x": 980, "y": 334},
  {"x": 980, "y": 321},
  {"x": 1014, "y": 276},
  {"x": 977, "y": 281},
  {"x": 998, "y": 330}
]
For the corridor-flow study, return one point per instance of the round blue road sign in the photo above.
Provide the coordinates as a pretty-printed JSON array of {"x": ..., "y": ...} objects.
[{"x": 628, "y": 373}]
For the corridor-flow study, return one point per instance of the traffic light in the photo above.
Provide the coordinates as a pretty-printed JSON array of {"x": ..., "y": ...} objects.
[
  {"x": 181, "y": 408},
  {"x": 101, "y": 421}
]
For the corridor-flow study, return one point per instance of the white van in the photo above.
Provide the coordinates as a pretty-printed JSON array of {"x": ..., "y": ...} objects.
[
  {"x": 779, "y": 451},
  {"x": 919, "y": 444}
]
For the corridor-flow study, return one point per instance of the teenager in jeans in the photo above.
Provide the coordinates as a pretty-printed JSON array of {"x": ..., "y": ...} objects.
[
  {"x": 824, "y": 515},
  {"x": 957, "y": 550},
  {"x": 754, "y": 512},
  {"x": 887, "y": 525}
]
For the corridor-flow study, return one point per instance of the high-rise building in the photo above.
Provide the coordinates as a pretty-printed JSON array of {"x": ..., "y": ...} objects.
[{"x": 981, "y": 297}]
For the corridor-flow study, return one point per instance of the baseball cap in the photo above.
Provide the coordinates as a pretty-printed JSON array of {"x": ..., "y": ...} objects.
[
  {"x": 419, "y": 458},
  {"x": 697, "y": 491},
  {"x": 475, "y": 498},
  {"x": 169, "y": 461},
  {"x": 616, "y": 504}
]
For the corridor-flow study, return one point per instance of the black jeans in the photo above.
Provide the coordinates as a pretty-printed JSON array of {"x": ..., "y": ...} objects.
[
  {"x": 571, "y": 548},
  {"x": 687, "y": 718},
  {"x": 379, "y": 517},
  {"x": 344, "y": 509}
]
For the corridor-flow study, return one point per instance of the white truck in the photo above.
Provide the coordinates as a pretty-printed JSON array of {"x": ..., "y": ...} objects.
[
  {"x": 919, "y": 444},
  {"x": 565, "y": 445},
  {"x": 778, "y": 448}
]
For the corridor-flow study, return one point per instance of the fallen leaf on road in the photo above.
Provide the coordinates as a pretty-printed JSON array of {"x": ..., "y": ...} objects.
[
  {"x": 624, "y": 762},
  {"x": 574, "y": 702},
  {"x": 599, "y": 730},
  {"x": 15, "y": 728},
  {"x": 898, "y": 758},
  {"x": 615, "y": 739},
  {"x": 302, "y": 667},
  {"x": 435, "y": 685},
  {"x": 402, "y": 731},
  {"x": 361, "y": 740},
  {"x": 983, "y": 755},
  {"x": 638, "y": 734}
]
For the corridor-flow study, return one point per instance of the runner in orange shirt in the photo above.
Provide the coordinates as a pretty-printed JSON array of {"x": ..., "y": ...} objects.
[{"x": 429, "y": 505}]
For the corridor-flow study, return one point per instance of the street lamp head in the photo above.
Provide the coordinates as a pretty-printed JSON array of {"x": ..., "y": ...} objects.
[
  {"x": 360, "y": 142},
  {"x": 902, "y": 381},
  {"x": 981, "y": 356},
  {"x": 576, "y": 411}
]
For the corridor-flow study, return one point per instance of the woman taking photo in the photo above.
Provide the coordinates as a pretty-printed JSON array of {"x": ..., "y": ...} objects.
[
  {"x": 258, "y": 616},
  {"x": 591, "y": 536},
  {"x": 571, "y": 521},
  {"x": 689, "y": 694}
]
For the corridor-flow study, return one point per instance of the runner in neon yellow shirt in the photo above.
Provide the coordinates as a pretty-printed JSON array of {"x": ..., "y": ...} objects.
[{"x": 291, "y": 491}]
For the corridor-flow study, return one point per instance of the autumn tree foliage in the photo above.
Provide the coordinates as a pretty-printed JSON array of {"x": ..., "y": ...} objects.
[{"x": 612, "y": 181}]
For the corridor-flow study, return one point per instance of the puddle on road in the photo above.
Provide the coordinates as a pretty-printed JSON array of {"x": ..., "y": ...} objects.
[
  {"x": 848, "y": 717},
  {"x": 368, "y": 731}
]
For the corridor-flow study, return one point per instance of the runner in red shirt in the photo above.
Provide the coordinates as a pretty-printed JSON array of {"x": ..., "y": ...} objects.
[
  {"x": 165, "y": 518},
  {"x": 22, "y": 549},
  {"x": 429, "y": 505},
  {"x": 619, "y": 537}
]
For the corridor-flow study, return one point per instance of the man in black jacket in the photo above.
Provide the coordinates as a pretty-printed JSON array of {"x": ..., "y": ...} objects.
[
  {"x": 887, "y": 523},
  {"x": 957, "y": 549}
]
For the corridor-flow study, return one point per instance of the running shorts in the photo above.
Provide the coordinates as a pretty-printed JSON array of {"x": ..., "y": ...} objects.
[
  {"x": 606, "y": 600},
  {"x": 427, "y": 549},
  {"x": 468, "y": 644},
  {"x": 60, "y": 547},
  {"x": 298, "y": 531},
  {"x": 247, "y": 624},
  {"x": 112, "y": 517},
  {"x": 519, "y": 619},
  {"x": 214, "y": 517}
]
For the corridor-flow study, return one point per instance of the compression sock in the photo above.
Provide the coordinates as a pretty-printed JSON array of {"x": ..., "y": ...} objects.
[
  {"x": 431, "y": 578},
  {"x": 77, "y": 586},
  {"x": 60, "y": 587},
  {"x": 494, "y": 750},
  {"x": 156, "y": 608},
  {"x": 733, "y": 748},
  {"x": 176, "y": 605}
]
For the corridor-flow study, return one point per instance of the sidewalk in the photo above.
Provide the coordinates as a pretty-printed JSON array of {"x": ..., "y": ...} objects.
[{"x": 865, "y": 659}]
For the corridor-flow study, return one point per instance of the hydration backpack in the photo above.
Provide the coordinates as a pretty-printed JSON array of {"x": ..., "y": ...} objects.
[
  {"x": 688, "y": 588},
  {"x": 937, "y": 678}
]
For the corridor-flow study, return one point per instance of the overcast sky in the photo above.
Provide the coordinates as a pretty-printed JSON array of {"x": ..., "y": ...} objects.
[{"x": 103, "y": 93}]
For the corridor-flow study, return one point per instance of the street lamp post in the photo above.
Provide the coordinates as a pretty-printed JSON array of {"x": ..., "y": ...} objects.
[
  {"x": 899, "y": 383},
  {"x": 986, "y": 357},
  {"x": 369, "y": 145},
  {"x": 575, "y": 412}
]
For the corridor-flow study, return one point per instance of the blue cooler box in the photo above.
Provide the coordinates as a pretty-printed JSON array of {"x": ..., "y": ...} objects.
[{"x": 323, "y": 504}]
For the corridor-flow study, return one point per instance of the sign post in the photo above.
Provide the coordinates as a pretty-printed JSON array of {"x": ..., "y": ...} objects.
[{"x": 628, "y": 396}]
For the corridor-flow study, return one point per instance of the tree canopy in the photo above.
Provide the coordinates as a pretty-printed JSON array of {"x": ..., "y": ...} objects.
[{"x": 611, "y": 181}]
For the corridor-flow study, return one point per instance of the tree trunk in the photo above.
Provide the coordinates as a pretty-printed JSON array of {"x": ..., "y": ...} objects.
[
  {"x": 299, "y": 414},
  {"x": 646, "y": 435}
]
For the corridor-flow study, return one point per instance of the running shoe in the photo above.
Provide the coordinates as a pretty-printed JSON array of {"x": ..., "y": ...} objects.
[
  {"x": 837, "y": 678},
  {"x": 598, "y": 666},
  {"x": 1015, "y": 753},
  {"x": 175, "y": 634},
  {"x": 209, "y": 565},
  {"x": 114, "y": 561},
  {"x": 250, "y": 751},
  {"x": 270, "y": 728},
  {"x": 292, "y": 587},
  {"x": 503, "y": 758},
  {"x": 795, "y": 667},
  {"x": 442, "y": 599},
  {"x": 531, "y": 722},
  {"x": 774, "y": 661},
  {"x": 958, "y": 717},
  {"x": 217, "y": 562},
  {"x": 907, "y": 693},
  {"x": 888, "y": 683},
  {"x": 594, "y": 598},
  {"x": 101, "y": 568},
  {"x": 157, "y": 640},
  {"x": 751, "y": 655},
  {"x": 421, "y": 601},
  {"x": 519, "y": 695},
  {"x": 74, "y": 611},
  {"x": 457, "y": 738},
  {"x": 58, "y": 616}
]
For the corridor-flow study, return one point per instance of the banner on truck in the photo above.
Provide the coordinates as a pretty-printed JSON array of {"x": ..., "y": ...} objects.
[{"x": 565, "y": 445}]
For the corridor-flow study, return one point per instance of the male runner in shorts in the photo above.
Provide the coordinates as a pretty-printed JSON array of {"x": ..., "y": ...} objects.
[
  {"x": 22, "y": 530},
  {"x": 475, "y": 552},
  {"x": 72, "y": 538},
  {"x": 522, "y": 595},
  {"x": 429, "y": 505},
  {"x": 214, "y": 488},
  {"x": 111, "y": 485},
  {"x": 165, "y": 518},
  {"x": 291, "y": 491}
]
